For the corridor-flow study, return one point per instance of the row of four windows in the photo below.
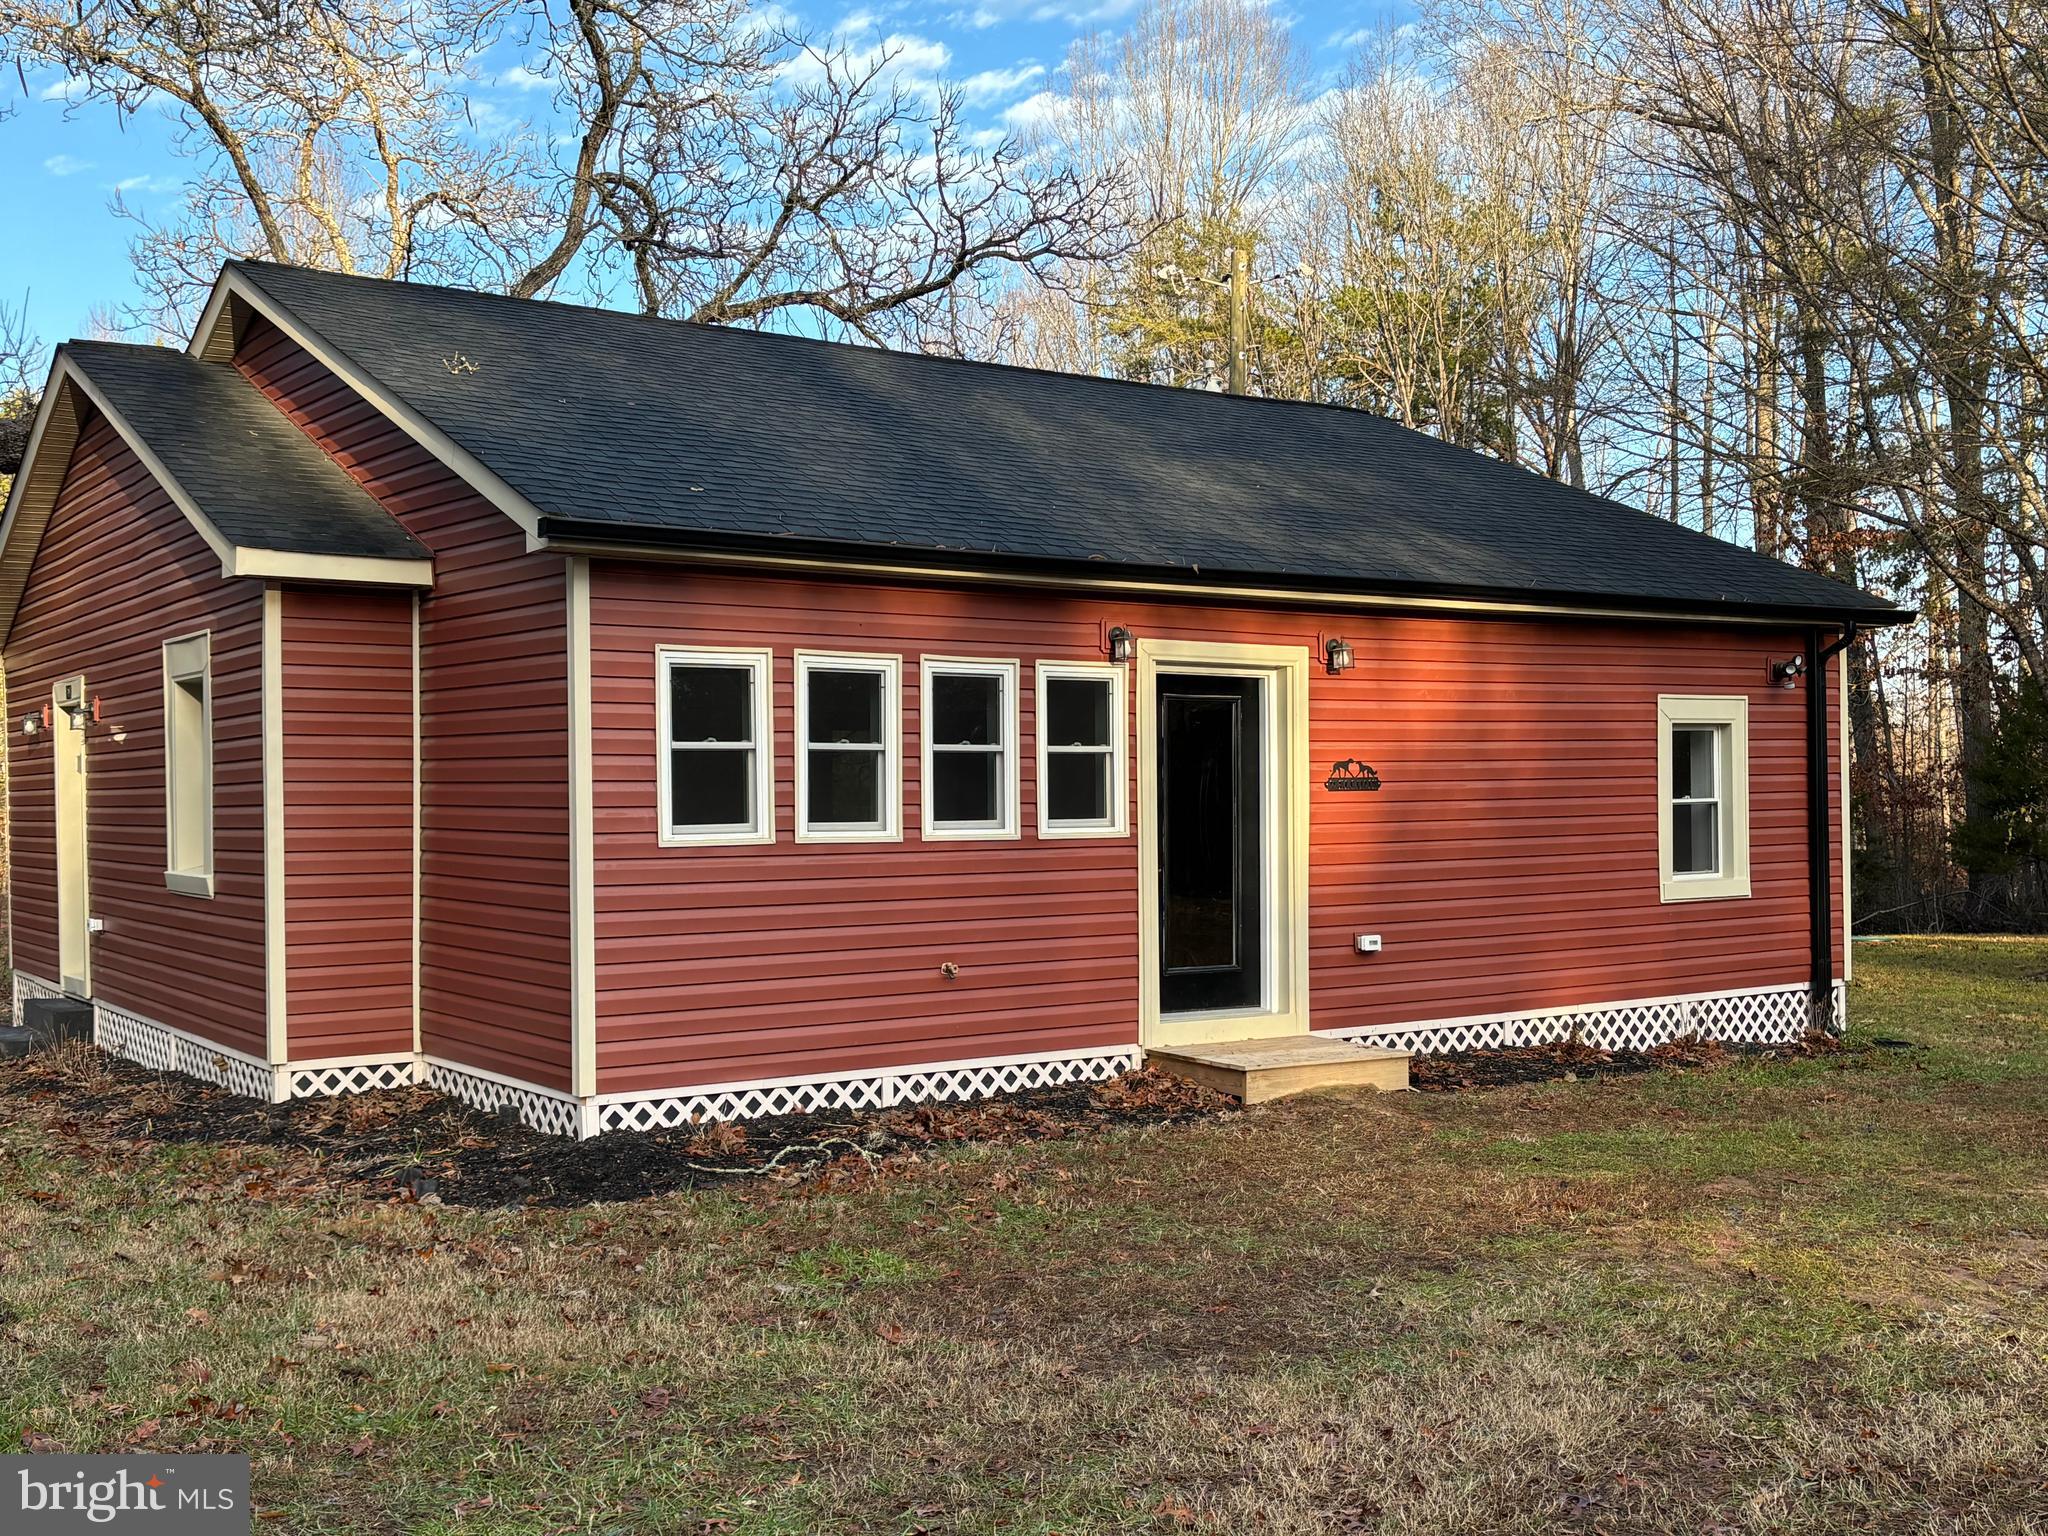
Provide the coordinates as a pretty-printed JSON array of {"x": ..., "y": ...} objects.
[{"x": 716, "y": 725}]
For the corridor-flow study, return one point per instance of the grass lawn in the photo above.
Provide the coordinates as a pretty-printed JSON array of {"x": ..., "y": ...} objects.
[{"x": 1780, "y": 1297}]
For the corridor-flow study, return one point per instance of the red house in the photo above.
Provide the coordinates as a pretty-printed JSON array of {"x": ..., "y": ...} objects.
[{"x": 634, "y": 721}]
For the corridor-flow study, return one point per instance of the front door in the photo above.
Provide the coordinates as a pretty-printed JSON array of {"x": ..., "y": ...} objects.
[
  {"x": 1211, "y": 843},
  {"x": 67, "y": 742}
]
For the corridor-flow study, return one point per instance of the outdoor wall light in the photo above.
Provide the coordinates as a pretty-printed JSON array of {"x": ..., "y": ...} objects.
[
  {"x": 1337, "y": 656},
  {"x": 1122, "y": 645},
  {"x": 1786, "y": 674}
]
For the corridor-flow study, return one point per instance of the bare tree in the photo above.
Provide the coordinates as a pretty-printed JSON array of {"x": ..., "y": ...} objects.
[
  {"x": 723, "y": 171},
  {"x": 324, "y": 132},
  {"x": 21, "y": 380},
  {"x": 1192, "y": 119}
]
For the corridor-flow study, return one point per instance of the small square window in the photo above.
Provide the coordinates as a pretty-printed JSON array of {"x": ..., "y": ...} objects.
[
  {"x": 717, "y": 769},
  {"x": 849, "y": 747},
  {"x": 1703, "y": 797},
  {"x": 970, "y": 748},
  {"x": 1082, "y": 745}
]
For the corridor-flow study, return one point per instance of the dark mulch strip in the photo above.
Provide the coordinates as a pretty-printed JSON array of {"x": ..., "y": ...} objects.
[
  {"x": 416, "y": 1144},
  {"x": 1575, "y": 1061}
]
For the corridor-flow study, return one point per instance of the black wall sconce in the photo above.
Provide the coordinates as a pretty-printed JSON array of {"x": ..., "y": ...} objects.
[
  {"x": 1122, "y": 644},
  {"x": 1786, "y": 674},
  {"x": 1338, "y": 658}
]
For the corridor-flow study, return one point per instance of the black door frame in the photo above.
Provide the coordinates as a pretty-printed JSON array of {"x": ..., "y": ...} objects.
[{"x": 1211, "y": 744}]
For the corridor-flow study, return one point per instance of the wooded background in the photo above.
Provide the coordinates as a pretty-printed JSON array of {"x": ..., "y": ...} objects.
[{"x": 1775, "y": 269}]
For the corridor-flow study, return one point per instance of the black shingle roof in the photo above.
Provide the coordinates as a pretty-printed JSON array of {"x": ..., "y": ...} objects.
[
  {"x": 258, "y": 479},
  {"x": 614, "y": 424}
]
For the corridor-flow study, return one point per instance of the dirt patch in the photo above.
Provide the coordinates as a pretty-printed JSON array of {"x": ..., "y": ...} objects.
[{"x": 1572, "y": 1060}]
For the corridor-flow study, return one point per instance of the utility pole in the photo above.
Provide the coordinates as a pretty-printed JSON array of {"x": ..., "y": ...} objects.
[{"x": 1241, "y": 320}]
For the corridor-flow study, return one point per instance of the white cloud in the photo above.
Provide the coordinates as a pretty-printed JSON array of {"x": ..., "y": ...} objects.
[
  {"x": 63, "y": 88},
  {"x": 1084, "y": 15},
  {"x": 915, "y": 64},
  {"x": 66, "y": 165},
  {"x": 1034, "y": 111},
  {"x": 520, "y": 78},
  {"x": 996, "y": 84}
]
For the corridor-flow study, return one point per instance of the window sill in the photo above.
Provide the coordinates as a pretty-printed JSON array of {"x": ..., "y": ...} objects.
[
  {"x": 850, "y": 835},
  {"x": 715, "y": 839},
  {"x": 1730, "y": 888},
  {"x": 1080, "y": 830},
  {"x": 189, "y": 884}
]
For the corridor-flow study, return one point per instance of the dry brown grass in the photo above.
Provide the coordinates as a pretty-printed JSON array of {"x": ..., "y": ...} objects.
[{"x": 1789, "y": 1298}]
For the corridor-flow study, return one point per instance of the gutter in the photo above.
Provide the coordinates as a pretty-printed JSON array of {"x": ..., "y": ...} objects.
[
  {"x": 845, "y": 559},
  {"x": 1819, "y": 870}
]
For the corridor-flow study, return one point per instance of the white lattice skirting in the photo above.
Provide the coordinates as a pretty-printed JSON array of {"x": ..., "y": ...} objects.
[
  {"x": 1756, "y": 1016},
  {"x": 937, "y": 1083},
  {"x": 26, "y": 987},
  {"x": 553, "y": 1112},
  {"x": 164, "y": 1049},
  {"x": 547, "y": 1110},
  {"x": 326, "y": 1079}
]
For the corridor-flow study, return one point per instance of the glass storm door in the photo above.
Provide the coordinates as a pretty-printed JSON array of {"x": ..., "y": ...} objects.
[{"x": 1211, "y": 843}]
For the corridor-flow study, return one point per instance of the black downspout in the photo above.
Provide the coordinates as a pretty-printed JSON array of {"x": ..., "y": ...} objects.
[{"x": 1819, "y": 873}]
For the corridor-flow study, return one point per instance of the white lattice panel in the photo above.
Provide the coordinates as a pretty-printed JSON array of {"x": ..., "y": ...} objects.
[
  {"x": 552, "y": 1114},
  {"x": 26, "y": 987},
  {"x": 1774, "y": 1017},
  {"x": 352, "y": 1077},
  {"x": 883, "y": 1090},
  {"x": 163, "y": 1049}
]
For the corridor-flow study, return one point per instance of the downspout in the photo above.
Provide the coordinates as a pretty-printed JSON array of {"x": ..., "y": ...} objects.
[{"x": 1819, "y": 866}]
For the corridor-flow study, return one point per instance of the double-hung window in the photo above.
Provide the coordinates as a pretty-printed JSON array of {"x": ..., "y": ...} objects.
[
  {"x": 188, "y": 765},
  {"x": 1081, "y": 750},
  {"x": 969, "y": 767},
  {"x": 1703, "y": 797},
  {"x": 849, "y": 748},
  {"x": 717, "y": 767}
]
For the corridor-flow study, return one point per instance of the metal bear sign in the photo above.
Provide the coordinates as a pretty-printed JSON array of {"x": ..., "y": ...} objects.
[{"x": 1351, "y": 774}]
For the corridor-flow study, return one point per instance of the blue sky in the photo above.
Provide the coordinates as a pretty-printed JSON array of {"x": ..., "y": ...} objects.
[{"x": 61, "y": 167}]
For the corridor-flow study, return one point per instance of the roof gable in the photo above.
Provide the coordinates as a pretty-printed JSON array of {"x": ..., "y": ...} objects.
[{"x": 263, "y": 496}]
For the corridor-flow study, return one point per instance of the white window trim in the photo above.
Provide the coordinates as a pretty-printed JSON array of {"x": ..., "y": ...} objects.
[
  {"x": 1730, "y": 714},
  {"x": 1118, "y": 824},
  {"x": 890, "y": 670},
  {"x": 762, "y": 663},
  {"x": 1009, "y": 674},
  {"x": 185, "y": 658}
]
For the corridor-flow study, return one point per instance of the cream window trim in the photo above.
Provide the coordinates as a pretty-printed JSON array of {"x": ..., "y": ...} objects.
[
  {"x": 1005, "y": 825},
  {"x": 760, "y": 666},
  {"x": 1728, "y": 717},
  {"x": 1115, "y": 677},
  {"x": 888, "y": 825},
  {"x": 188, "y": 764},
  {"x": 1285, "y": 1009}
]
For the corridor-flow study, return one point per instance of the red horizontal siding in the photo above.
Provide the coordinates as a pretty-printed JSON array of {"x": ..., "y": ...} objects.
[
  {"x": 494, "y": 934},
  {"x": 119, "y": 572},
  {"x": 348, "y": 821},
  {"x": 1509, "y": 863}
]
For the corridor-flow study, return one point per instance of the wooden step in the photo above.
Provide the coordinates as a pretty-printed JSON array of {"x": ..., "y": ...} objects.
[{"x": 1257, "y": 1070}]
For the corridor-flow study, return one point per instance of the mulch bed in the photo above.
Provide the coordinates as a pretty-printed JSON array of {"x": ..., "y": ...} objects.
[
  {"x": 1575, "y": 1061},
  {"x": 415, "y": 1144}
]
